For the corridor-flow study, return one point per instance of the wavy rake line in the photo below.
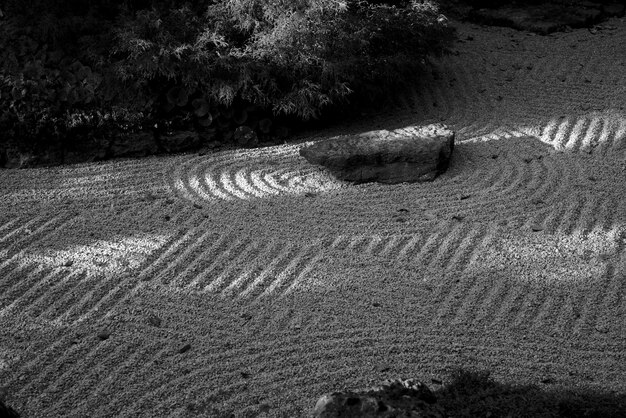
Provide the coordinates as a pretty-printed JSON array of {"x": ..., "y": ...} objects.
[
  {"x": 279, "y": 254},
  {"x": 579, "y": 131},
  {"x": 530, "y": 309},
  {"x": 95, "y": 365},
  {"x": 102, "y": 302},
  {"x": 31, "y": 230},
  {"x": 43, "y": 291},
  {"x": 571, "y": 216},
  {"x": 449, "y": 246},
  {"x": 366, "y": 349},
  {"x": 567, "y": 315},
  {"x": 596, "y": 133},
  {"x": 8, "y": 225},
  {"x": 43, "y": 366},
  {"x": 450, "y": 292},
  {"x": 200, "y": 259},
  {"x": 613, "y": 301},
  {"x": 90, "y": 363},
  {"x": 40, "y": 229},
  {"x": 248, "y": 174},
  {"x": 92, "y": 404},
  {"x": 405, "y": 251},
  {"x": 285, "y": 273},
  {"x": 592, "y": 216},
  {"x": 566, "y": 171},
  {"x": 289, "y": 279},
  {"x": 145, "y": 373},
  {"x": 608, "y": 142},
  {"x": 19, "y": 277},
  {"x": 470, "y": 111},
  {"x": 70, "y": 300},
  {"x": 249, "y": 251},
  {"x": 467, "y": 248},
  {"x": 509, "y": 185},
  {"x": 187, "y": 256},
  {"x": 210, "y": 267},
  {"x": 548, "y": 220},
  {"x": 575, "y": 311},
  {"x": 512, "y": 300}
]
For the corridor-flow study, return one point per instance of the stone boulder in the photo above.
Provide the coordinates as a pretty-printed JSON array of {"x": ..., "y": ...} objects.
[
  {"x": 411, "y": 154},
  {"x": 395, "y": 398}
]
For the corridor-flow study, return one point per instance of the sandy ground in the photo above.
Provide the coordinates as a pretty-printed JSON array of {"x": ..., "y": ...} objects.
[{"x": 249, "y": 282}]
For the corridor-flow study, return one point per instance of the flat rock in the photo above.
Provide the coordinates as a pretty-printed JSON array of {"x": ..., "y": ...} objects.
[
  {"x": 395, "y": 398},
  {"x": 411, "y": 154}
]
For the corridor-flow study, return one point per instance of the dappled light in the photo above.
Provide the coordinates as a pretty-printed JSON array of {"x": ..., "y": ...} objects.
[{"x": 205, "y": 283}]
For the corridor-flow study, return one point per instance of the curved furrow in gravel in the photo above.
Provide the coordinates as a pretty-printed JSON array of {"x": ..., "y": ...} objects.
[
  {"x": 486, "y": 180},
  {"x": 247, "y": 174},
  {"x": 65, "y": 284},
  {"x": 124, "y": 181},
  {"x": 251, "y": 282},
  {"x": 452, "y": 93},
  {"x": 514, "y": 298},
  {"x": 591, "y": 133},
  {"x": 233, "y": 379}
]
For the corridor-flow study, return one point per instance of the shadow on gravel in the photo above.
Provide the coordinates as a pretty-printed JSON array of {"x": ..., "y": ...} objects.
[{"x": 475, "y": 394}]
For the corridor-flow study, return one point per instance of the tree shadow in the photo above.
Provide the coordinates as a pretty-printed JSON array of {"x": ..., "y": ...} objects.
[{"x": 473, "y": 393}]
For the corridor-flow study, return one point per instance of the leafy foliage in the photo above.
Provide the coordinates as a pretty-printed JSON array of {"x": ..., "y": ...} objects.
[{"x": 203, "y": 64}]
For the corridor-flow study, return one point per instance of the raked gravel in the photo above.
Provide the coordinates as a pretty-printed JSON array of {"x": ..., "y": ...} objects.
[{"x": 249, "y": 282}]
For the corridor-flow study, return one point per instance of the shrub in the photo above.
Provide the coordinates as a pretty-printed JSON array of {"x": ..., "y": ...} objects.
[{"x": 203, "y": 65}]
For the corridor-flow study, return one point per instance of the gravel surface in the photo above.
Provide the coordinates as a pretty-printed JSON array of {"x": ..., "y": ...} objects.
[{"x": 250, "y": 283}]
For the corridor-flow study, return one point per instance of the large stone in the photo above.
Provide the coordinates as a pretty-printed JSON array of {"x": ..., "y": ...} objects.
[
  {"x": 395, "y": 398},
  {"x": 411, "y": 154}
]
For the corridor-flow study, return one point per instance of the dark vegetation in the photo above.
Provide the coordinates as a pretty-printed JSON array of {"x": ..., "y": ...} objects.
[
  {"x": 472, "y": 393},
  {"x": 100, "y": 78}
]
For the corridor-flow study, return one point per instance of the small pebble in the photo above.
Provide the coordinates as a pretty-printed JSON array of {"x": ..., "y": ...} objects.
[
  {"x": 104, "y": 335},
  {"x": 184, "y": 349},
  {"x": 155, "y": 321}
]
